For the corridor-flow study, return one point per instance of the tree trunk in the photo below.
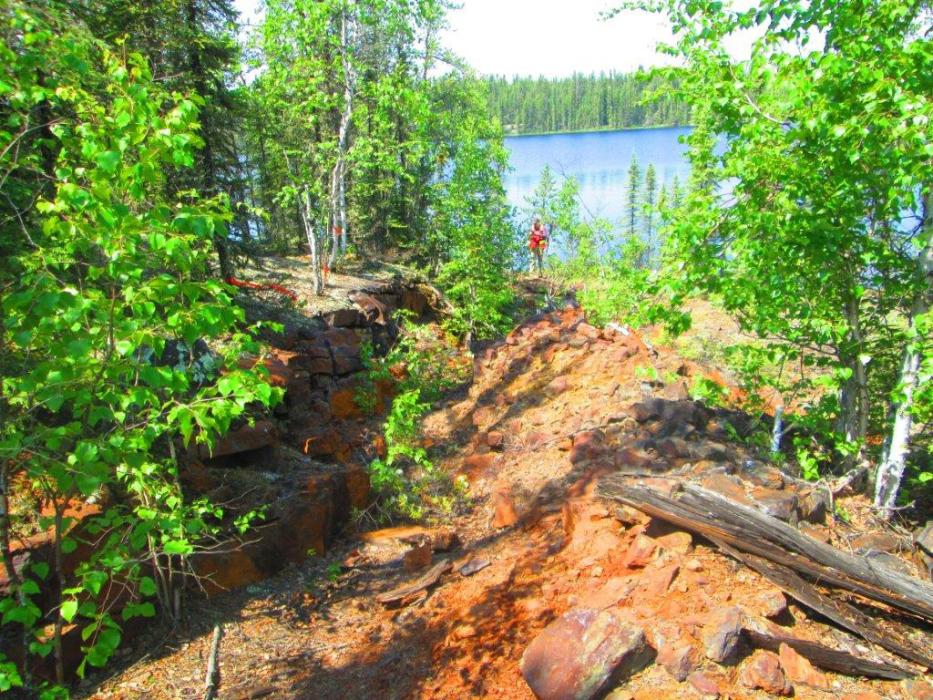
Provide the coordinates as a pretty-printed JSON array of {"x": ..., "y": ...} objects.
[
  {"x": 338, "y": 215},
  {"x": 891, "y": 471},
  {"x": 314, "y": 246},
  {"x": 853, "y": 397}
]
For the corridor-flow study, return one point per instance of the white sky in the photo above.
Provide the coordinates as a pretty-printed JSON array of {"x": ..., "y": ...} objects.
[
  {"x": 552, "y": 37},
  {"x": 548, "y": 37}
]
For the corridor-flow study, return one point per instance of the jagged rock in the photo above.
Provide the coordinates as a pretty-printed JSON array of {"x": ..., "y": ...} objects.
[
  {"x": 444, "y": 541},
  {"x": 771, "y": 603},
  {"x": 627, "y": 516},
  {"x": 765, "y": 476},
  {"x": 722, "y": 634},
  {"x": 763, "y": 670},
  {"x": 537, "y": 440},
  {"x": 479, "y": 464},
  {"x": 343, "y": 404},
  {"x": 418, "y": 557},
  {"x": 647, "y": 410},
  {"x": 582, "y": 654},
  {"x": 641, "y": 552},
  {"x": 587, "y": 331},
  {"x": 495, "y": 439},
  {"x": 679, "y": 657},
  {"x": 245, "y": 439},
  {"x": 813, "y": 506},
  {"x": 778, "y": 504},
  {"x": 684, "y": 412},
  {"x": 557, "y": 386},
  {"x": 727, "y": 485},
  {"x": 679, "y": 542},
  {"x": 703, "y": 684},
  {"x": 345, "y": 318},
  {"x": 677, "y": 391},
  {"x": 673, "y": 448},
  {"x": 632, "y": 458},
  {"x": 655, "y": 581},
  {"x": 613, "y": 592},
  {"x": 713, "y": 451},
  {"x": 799, "y": 670},
  {"x": 504, "y": 515}
]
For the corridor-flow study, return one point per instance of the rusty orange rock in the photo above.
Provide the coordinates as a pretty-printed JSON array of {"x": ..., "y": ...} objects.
[
  {"x": 799, "y": 670},
  {"x": 505, "y": 515}
]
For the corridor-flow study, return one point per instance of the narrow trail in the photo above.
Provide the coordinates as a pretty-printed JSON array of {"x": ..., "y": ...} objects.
[{"x": 551, "y": 409}]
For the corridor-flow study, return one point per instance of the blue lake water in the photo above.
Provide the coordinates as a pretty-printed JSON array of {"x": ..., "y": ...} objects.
[{"x": 599, "y": 161}]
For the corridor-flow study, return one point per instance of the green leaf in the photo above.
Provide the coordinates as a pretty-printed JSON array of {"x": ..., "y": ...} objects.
[
  {"x": 108, "y": 161},
  {"x": 147, "y": 586},
  {"x": 69, "y": 609},
  {"x": 177, "y": 547}
]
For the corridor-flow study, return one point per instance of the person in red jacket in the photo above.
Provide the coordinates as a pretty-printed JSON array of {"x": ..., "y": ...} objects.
[{"x": 537, "y": 243}]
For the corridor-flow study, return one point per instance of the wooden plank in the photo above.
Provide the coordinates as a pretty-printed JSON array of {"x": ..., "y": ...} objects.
[
  {"x": 828, "y": 658},
  {"x": 841, "y": 613},
  {"x": 432, "y": 576}
]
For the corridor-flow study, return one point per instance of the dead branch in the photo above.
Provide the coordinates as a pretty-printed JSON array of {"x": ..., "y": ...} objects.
[
  {"x": 211, "y": 678},
  {"x": 433, "y": 575}
]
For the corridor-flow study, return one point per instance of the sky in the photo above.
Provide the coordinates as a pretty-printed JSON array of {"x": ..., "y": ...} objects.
[{"x": 553, "y": 38}]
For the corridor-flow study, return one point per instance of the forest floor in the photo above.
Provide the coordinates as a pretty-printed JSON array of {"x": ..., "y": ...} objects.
[{"x": 552, "y": 409}]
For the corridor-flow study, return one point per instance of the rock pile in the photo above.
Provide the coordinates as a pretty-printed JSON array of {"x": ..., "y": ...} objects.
[{"x": 557, "y": 405}]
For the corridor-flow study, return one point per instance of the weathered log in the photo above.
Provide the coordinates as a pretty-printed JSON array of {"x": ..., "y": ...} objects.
[
  {"x": 907, "y": 592},
  {"x": 828, "y": 658},
  {"x": 843, "y": 614},
  {"x": 750, "y": 530},
  {"x": 431, "y": 577}
]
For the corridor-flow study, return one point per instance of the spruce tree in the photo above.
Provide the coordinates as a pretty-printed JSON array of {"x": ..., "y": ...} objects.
[
  {"x": 651, "y": 191},
  {"x": 632, "y": 195}
]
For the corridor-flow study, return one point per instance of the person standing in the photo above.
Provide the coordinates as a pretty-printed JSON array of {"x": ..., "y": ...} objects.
[{"x": 537, "y": 243}]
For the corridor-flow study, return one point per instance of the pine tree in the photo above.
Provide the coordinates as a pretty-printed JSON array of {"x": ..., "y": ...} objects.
[
  {"x": 632, "y": 192},
  {"x": 677, "y": 193},
  {"x": 651, "y": 191}
]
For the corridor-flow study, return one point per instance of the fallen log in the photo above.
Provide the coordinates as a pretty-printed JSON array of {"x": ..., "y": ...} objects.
[
  {"x": 828, "y": 658},
  {"x": 750, "y": 530},
  {"x": 714, "y": 517},
  {"x": 432, "y": 576},
  {"x": 907, "y": 592},
  {"x": 843, "y": 614}
]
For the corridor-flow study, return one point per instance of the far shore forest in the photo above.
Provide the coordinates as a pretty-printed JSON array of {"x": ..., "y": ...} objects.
[{"x": 150, "y": 150}]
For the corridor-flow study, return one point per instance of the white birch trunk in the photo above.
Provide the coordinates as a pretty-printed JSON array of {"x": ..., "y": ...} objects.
[
  {"x": 891, "y": 471},
  {"x": 307, "y": 218}
]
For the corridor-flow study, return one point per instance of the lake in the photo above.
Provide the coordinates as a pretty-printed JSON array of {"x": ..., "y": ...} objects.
[{"x": 598, "y": 160}]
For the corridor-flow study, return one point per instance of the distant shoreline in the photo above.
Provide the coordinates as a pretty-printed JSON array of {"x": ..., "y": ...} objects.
[{"x": 601, "y": 130}]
